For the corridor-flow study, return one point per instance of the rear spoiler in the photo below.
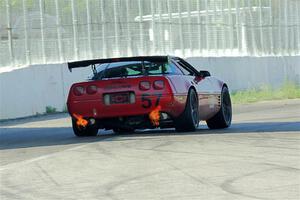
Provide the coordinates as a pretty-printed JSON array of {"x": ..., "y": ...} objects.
[{"x": 86, "y": 63}]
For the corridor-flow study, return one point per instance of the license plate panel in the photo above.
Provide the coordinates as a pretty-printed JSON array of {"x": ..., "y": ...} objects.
[{"x": 119, "y": 98}]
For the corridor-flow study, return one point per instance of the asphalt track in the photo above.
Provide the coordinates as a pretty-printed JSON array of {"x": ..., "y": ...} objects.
[{"x": 257, "y": 158}]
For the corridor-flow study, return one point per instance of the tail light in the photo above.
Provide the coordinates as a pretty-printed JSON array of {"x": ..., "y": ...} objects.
[
  {"x": 159, "y": 85},
  {"x": 78, "y": 90},
  {"x": 92, "y": 89},
  {"x": 145, "y": 85}
]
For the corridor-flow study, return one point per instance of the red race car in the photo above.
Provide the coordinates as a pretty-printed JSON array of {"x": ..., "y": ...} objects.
[{"x": 125, "y": 94}]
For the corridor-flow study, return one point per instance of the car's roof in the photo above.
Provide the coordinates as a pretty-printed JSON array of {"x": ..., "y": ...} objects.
[{"x": 85, "y": 63}]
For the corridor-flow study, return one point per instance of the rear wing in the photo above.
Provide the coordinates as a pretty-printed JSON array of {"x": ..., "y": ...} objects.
[{"x": 86, "y": 63}]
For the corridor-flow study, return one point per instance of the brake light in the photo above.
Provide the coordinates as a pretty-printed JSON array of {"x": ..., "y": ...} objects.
[
  {"x": 159, "y": 85},
  {"x": 145, "y": 85},
  {"x": 92, "y": 89},
  {"x": 78, "y": 91}
]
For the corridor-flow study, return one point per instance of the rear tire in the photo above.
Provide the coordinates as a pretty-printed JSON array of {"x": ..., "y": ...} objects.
[
  {"x": 88, "y": 131},
  {"x": 223, "y": 118},
  {"x": 189, "y": 119}
]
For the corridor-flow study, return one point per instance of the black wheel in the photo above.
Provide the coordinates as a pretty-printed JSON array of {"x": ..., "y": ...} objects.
[
  {"x": 223, "y": 118},
  {"x": 84, "y": 131},
  {"x": 189, "y": 119},
  {"x": 123, "y": 130}
]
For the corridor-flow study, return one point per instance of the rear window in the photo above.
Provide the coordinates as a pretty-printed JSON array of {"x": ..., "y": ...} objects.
[{"x": 133, "y": 68}]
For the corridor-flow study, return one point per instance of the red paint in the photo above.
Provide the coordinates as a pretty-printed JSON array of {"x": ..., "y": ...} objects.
[
  {"x": 91, "y": 104},
  {"x": 145, "y": 100}
]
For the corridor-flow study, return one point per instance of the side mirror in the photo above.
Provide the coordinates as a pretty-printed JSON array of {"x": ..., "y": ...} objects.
[{"x": 204, "y": 74}]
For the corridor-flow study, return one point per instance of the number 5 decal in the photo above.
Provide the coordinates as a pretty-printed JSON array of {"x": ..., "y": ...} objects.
[{"x": 147, "y": 103}]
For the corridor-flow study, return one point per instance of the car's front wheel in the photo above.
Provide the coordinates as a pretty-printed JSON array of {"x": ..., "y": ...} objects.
[
  {"x": 189, "y": 119},
  {"x": 223, "y": 118},
  {"x": 87, "y": 131}
]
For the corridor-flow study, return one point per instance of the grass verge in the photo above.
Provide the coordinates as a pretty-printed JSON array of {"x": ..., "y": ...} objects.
[{"x": 287, "y": 91}]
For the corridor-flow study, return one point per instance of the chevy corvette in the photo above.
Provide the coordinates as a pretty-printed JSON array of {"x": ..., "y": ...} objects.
[{"x": 128, "y": 93}]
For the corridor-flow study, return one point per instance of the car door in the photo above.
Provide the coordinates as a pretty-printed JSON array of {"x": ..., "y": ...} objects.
[{"x": 203, "y": 85}]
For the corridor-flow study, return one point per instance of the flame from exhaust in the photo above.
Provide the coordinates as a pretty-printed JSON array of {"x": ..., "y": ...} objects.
[
  {"x": 80, "y": 121},
  {"x": 155, "y": 116}
]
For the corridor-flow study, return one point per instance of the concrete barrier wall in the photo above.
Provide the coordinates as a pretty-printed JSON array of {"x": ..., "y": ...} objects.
[
  {"x": 28, "y": 91},
  {"x": 251, "y": 72}
]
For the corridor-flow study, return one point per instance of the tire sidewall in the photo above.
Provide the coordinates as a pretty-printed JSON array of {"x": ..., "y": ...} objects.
[
  {"x": 225, "y": 91},
  {"x": 185, "y": 121},
  {"x": 191, "y": 93}
]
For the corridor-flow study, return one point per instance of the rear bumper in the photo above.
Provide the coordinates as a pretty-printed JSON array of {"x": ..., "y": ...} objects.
[{"x": 173, "y": 105}]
